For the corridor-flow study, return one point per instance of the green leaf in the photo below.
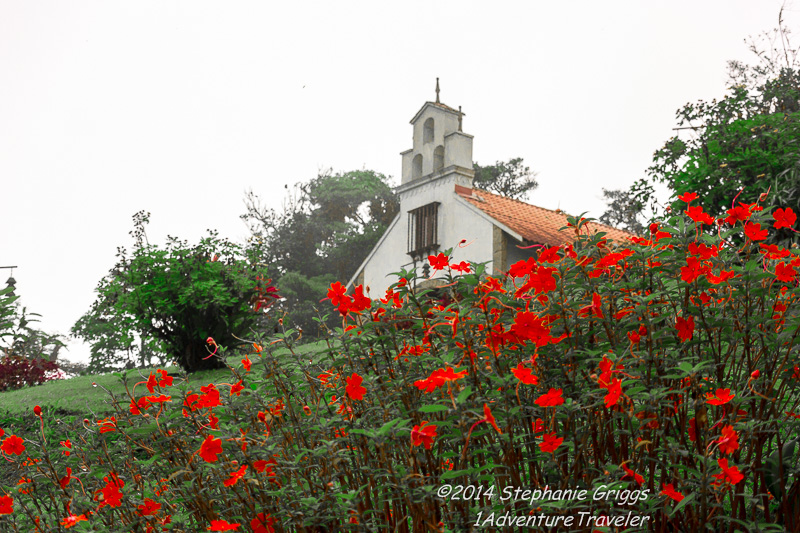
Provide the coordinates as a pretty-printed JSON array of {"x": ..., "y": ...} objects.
[{"x": 432, "y": 408}]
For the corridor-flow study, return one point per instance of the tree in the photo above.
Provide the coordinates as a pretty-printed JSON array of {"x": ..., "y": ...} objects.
[
  {"x": 623, "y": 211},
  {"x": 168, "y": 301},
  {"x": 507, "y": 178},
  {"x": 740, "y": 146},
  {"x": 325, "y": 230}
]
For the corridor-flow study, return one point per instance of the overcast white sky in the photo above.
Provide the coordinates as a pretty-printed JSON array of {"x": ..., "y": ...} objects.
[{"x": 179, "y": 107}]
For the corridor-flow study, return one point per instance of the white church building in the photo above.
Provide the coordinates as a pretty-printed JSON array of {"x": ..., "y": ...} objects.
[{"x": 440, "y": 209}]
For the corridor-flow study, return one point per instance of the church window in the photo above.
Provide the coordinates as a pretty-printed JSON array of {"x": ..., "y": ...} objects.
[
  {"x": 423, "y": 230},
  {"x": 416, "y": 167},
  {"x": 438, "y": 158},
  {"x": 427, "y": 133}
]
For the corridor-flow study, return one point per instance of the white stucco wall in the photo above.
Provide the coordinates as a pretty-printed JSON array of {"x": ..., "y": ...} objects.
[{"x": 456, "y": 221}]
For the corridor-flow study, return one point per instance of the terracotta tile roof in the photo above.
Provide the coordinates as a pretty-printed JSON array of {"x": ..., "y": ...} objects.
[{"x": 535, "y": 224}]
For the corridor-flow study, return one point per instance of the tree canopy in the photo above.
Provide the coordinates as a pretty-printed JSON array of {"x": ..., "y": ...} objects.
[
  {"x": 735, "y": 148},
  {"x": 507, "y": 178},
  {"x": 165, "y": 302},
  {"x": 326, "y": 228}
]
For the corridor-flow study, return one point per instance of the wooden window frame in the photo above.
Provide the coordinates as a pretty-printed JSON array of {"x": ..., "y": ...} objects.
[{"x": 423, "y": 230}]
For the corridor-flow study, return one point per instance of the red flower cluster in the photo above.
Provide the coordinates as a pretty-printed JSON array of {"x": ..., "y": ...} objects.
[
  {"x": 438, "y": 378},
  {"x": 111, "y": 494},
  {"x": 345, "y": 303}
]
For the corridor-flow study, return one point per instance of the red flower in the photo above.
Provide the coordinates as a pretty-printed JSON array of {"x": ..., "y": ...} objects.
[
  {"x": 111, "y": 494},
  {"x": 354, "y": 388},
  {"x": 631, "y": 474},
  {"x": 784, "y": 218},
  {"x": 670, "y": 492},
  {"x": 72, "y": 520},
  {"x": 614, "y": 392},
  {"x": 336, "y": 293},
  {"x": 685, "y": 327},
  {"x": 551, "y": 399},
  {"x": 696, "y": 213},
  {"x": 487, "y": 413},
  {"x": 740, "y": 212},
  {"x": 729, "y": 441},
  {"x": 210, "y": 449},
  {"x": 235, "y": 477},
  {"x": 785, "y": 273},
  {"x": 550, "y": 443},
  {"x": 754, "y": 232},
  {"x": 247, "y": 364},
  {"x": 720, "y": 397},
  {"x": 462, "y": 267},
  {"x": 595, "y": 308},
  {"x": 729, "y": 474},
  {"x": 360, "y": 302},
  {"x": 694, "y": 269},
  {"x": 6, "y": 505},
  {"x": 262, "y": 523},
  {"x": 438, "y": 378},
  {"x": 687, "y": 197},
  {"x": 136, "y": 407},
  {"x": 165, "y": 380},
  {"x": 423, "y": 434},
  {"x": 107, "y": 425},
  {"x": 37, "y": 411},
  {"x": 13, "y": 445},
  {"x": 210, "y": 397},
  {"x": 439, "y": 262},
  {"x": 724, "y": 275},
  {"x": 525, "y": 375},
  {"x": 149, "y": 507},
  {"x": 222, "y": 525},
  {"x": 152, "y": 383},
  {"x": 64, "y": 481},
  {"x": 161, "y": 398},
  {"x": 692, "y": 430},
  {"x": 237, "y": 388}
]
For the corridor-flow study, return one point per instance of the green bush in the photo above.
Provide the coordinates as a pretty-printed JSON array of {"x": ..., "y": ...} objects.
[{"x": 643, "y": 385}]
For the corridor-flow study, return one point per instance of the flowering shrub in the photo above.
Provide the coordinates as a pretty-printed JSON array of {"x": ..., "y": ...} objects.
[
  {"x": 17, "y": 372},
  {"x": 659, "y": 376}
]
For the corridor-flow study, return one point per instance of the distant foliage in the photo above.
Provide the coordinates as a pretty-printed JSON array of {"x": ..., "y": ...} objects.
[
  {"x": 623, "y": 212},
  {"x": 325, "y": 230},
  {"x": 507, "y": 178}
]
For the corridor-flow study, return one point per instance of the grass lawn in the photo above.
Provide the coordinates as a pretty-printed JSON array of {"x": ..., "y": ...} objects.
[{"x": 78, "y": 395}]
